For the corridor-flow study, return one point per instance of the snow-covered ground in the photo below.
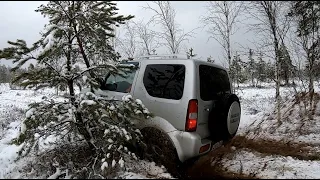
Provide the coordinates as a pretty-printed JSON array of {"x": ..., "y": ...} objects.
[
  {"x": 258, "y": 122},
  {"x": 11, "y": 102},
  {"x": 13, "y": 105},
  {"x": 257, "y": 106}
]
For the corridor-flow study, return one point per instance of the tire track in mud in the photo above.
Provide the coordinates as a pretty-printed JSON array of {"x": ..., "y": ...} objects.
[{"x": 203, "y": 168}]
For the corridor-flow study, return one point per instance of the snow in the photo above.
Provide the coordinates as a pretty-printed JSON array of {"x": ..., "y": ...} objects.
[
  {"x": 138, "y": 112},
  {"x": 256, "y": 110},
  {"x": 121, "y": 163},
  {"x": 131, "y": 175},
  {"x": 127, "y": 137},
  {"x": 146, "y": 111},
  {"x": 30, "y": 113},
  {"x": 107, "y": 131},
  {"x": 104, "y": 165},
  {"x": 113, "y": 163},
  {"x": 127, "y": 98},
  {"x": 257, "y": 105},
  {"x": 110, "y": 146},
  {"x": 8, "y": 152},
  {"x": 88, "y": 102},
  {"x": 277, "y": 167},
  {"x": 146, "y": 170},
  {"x": 56, "y": 174},
  {"x": 112, "y": 107},
  {"x": 23, "y": 127},
  {"x": 138, "y": 101},
  {"x": 84, "y": 78},
  {"x": 9, "y": 101}
]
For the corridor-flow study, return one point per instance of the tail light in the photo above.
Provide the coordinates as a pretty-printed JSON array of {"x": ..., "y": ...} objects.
[{"x": 192, "y": 115}]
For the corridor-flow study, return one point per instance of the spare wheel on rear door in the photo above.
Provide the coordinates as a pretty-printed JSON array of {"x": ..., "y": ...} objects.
[{"x": 225, "y": 117}]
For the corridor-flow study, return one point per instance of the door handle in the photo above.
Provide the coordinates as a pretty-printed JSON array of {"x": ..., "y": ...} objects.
[{"x": 207, "y": 109}]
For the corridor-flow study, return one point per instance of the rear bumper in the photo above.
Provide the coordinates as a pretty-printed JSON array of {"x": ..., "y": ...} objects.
[{"x": 188, "y": 144}]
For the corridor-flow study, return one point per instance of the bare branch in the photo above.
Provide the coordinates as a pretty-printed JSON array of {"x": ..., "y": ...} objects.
[
  {"x": 172, "y": 35},
  {"x": 221, "y": 18}
]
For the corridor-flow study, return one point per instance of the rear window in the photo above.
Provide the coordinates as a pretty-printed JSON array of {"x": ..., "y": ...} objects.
[
  {"x": 164, "y": 80},
  {"x": 214, "y": 82}
]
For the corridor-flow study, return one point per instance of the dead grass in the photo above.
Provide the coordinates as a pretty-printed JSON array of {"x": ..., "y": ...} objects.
[{"x": 69, "y": 156}]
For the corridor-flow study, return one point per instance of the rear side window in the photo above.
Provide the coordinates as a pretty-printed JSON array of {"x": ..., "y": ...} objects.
[
  {"x": 214, "y": 82},
  {"x": 165, "y": 80}
]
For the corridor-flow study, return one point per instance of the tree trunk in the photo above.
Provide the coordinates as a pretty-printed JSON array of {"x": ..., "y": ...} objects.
[
  {"x": 252, "y": 80},
  {"x": 311, "y": 84},
  {"x": 277, "y": 72},
  {"x": 228, "y": 34},
  {"x": 278, "y": 92},
  {"x": 286, "y": 78},
  {"x": 79, "y": 121}
]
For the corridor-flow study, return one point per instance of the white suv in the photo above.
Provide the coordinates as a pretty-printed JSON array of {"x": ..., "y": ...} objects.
[{"x": 192, "y": 102}]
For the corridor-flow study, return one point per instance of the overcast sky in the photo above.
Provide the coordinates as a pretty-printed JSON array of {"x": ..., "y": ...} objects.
[{"x": 19, "y": 20}]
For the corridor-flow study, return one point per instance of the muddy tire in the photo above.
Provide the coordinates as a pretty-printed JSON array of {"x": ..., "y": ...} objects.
[
  {"x": 160, "y": 150},
  {"x": 225, "y": 118}
]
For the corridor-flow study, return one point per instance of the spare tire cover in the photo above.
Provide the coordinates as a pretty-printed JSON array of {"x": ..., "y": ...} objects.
[{"x": 233, "y": 118}]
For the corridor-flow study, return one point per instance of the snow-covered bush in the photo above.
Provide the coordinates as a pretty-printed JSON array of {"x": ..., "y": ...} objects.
[
  {"x": 10, "y": 114},
  {"x": 75, "y": 51},
  {"x": 108, "y": 123}
]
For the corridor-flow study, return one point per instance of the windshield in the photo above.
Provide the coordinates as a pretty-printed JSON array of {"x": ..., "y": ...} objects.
[{"x": 119, "y": 83}]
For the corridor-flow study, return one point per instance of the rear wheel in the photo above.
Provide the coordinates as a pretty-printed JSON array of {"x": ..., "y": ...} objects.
[
  {"x": 160, "y": 150},
  {"x": 225, "y": 118}
]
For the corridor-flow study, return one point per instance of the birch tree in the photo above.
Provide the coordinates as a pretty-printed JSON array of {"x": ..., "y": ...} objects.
[
  {"x": 306, "y": 15},
  {"x": 272, "y": 24},
  {"x": 221, "y": 19},
  {"x": 165, "y": 16},
  {"x": 128, "y": 43},
  {"x": 148, "y": 38}
]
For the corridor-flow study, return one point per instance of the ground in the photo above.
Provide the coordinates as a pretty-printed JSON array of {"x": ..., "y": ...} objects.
[{"x": 263, "y": 147}]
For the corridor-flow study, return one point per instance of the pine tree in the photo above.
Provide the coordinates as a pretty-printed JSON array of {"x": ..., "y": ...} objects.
[
  {"x": 261, "y": 69},
  {"x": 4, "y": 74},
  {"x": 285, "y": 64},
  {"x": 75, "y": 46},
  {"x": 270, "y": 74},
  {"x": 235, "y": 70},
  {"x": 251, "y": 67},
  {"x": 306, "y": 15}
]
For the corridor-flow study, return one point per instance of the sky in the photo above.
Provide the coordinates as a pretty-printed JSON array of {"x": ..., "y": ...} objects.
[{"x": 20, "y": 21}]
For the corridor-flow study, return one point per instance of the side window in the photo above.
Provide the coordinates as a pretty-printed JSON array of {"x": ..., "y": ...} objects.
[
  {"x": 214, "y": 82},
  {"x": 165, "y": 80},
  {"x": 119, "y": 83}
]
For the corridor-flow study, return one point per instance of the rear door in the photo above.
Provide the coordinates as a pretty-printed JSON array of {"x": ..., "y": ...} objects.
[
  {"x": 213, "y": 82},
  {"x": 162, "y": 89}
]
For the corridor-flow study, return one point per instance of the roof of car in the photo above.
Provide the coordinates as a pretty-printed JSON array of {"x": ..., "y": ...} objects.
[{"x": 197, "y": 61}]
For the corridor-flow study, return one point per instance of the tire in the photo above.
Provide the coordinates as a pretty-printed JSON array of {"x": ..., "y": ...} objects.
[
  {"x": 221, "y": 125},
  {"x": 160, "y": 150}
]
